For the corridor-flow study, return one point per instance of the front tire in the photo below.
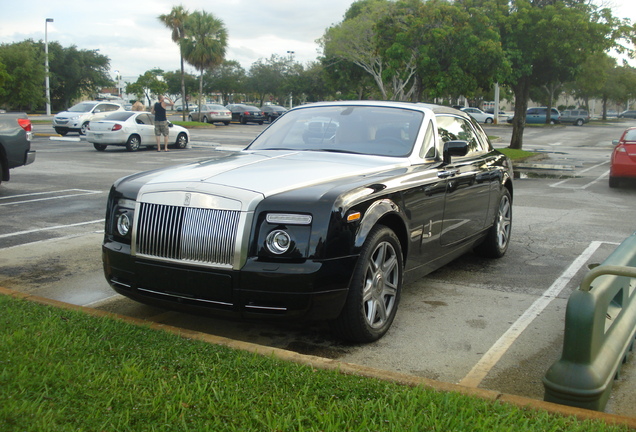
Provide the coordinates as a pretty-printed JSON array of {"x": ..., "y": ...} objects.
[
  {"x": 374, "y": 293},
  {"x": 133, "y": 143},
  {"x": 61, "y": 131},
  {"x": 497, "y": 240}
]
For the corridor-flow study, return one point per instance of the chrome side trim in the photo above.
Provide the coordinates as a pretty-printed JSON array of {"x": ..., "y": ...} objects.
[
  {"x": 271, "y": 308},
  {"x": 184, "y": 297}
]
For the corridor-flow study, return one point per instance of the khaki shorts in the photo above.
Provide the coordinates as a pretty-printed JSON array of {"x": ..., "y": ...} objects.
[{"x": 161, "y": 128}]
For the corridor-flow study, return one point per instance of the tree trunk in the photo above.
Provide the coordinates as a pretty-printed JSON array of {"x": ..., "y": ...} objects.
[
  {"x": 184, "y": 105},
  {"x": 522, "y": 94}
]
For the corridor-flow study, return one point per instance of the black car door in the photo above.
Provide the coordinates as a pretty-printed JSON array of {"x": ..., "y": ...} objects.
[{"x": 469, "y": 178}]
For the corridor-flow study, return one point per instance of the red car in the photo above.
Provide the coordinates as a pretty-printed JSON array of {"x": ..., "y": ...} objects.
[{"x": 623, "y": 164}]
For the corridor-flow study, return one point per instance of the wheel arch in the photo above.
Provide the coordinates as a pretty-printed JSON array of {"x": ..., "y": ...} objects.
[{"x": 384, "y": 212}]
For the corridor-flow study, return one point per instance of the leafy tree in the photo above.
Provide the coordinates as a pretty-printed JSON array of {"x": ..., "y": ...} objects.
[
  {"x": 23, "y": 75},
  {"x": 546, "y": 42},
  {"x": 204, "y": 43},
  {"x": 266, "y": 77},
  {"x": 355, "y": 41},
  {"x": 148, "y": 84},
  {"x": 174, "y": 80},
  {"x": 620, "y": 86},
  {"x": 175, "y": 21},
  {"x": 76, "y": 74},
  {"x": 227, "y": 79},
  {"x": 593, "y": 77}
]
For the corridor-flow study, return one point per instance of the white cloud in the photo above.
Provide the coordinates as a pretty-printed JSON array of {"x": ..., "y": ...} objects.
[{"x": 129, "y": 33}]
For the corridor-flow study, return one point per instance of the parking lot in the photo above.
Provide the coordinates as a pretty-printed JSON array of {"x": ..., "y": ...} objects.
[{"x": 482, "y": 323}]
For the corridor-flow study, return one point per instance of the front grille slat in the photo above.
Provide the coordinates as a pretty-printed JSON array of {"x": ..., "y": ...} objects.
[{"x": 187, "y": 234}]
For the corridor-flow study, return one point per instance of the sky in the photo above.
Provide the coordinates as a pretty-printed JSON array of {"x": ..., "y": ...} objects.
[{"x": 130, "y": 34}]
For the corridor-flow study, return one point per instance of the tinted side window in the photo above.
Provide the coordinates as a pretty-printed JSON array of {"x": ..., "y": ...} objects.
[{"x": 450, "y": 128}]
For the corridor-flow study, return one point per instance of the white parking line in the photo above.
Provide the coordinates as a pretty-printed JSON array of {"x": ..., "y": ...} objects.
[
  {"x": 604, "y": 175},
  {"x": 494, "y": 354},
  {"x": 78, "y": 192},
  {"x": 50, "y": 228}
]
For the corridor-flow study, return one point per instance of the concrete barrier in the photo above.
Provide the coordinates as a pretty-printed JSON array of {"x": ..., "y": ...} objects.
[{"x": 600, "y": 326}]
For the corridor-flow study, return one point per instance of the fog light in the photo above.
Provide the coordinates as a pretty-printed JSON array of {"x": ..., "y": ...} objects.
[
  {"x": 123, "y": 224},
  {"x": 278, "y": 242}
]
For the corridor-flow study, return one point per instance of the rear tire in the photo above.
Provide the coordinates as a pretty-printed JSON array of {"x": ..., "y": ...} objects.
[
  {"x": 497, "y": 240},
  {"x": 100, "y": 147},
  {"x": 182, "y": 141},
  {"x": 613, "y": 182},
  {"x": 133, "y": 143},
  {"x": 374, "y": 293},
  {"x": 84, "y": 129}
]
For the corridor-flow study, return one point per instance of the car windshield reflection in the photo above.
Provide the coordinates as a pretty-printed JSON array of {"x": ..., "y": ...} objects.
[{"x": 370, "y": 130}]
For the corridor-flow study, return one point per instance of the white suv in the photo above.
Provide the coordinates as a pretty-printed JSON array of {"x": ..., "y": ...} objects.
[{"x": 77, "y": 117}]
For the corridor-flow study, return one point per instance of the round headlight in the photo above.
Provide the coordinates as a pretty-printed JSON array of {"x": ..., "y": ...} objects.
[
  {"x": 278, "y": 242},
  {"x": 123, "y": 224}
]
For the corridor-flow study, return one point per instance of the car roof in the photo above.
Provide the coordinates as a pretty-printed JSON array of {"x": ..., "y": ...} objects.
[{"x": 419, "y": 106}]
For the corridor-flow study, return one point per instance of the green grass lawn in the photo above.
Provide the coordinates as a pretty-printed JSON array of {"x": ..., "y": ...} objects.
[{"x": 64, "y": 370}]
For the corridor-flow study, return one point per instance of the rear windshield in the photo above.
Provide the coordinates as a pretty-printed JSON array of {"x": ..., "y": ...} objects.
[
  {"x": 630, "y": 135},
  {"x": 119, "y": 115}
]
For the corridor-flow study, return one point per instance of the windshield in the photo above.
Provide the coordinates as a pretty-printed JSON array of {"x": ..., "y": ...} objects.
[
  {"x": 82, "y": 107},
  {"x": 372, "y": 130}
]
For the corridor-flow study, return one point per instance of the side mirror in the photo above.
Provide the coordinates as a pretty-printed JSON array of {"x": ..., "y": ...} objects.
[
  {"x": 615, "y": 142},
  {"x": 170, "y": 124},
  {"x": 454, "y": 148}
]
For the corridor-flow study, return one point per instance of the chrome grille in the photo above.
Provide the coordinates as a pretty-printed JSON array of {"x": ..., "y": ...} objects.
[{"x": 185, "y": 233}]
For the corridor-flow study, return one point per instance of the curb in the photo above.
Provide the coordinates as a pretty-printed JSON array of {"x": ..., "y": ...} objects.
[{"x": 345, "y": 368}]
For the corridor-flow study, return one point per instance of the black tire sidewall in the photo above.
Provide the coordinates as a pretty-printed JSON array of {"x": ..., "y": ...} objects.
[{"x": 352, "y": 324}]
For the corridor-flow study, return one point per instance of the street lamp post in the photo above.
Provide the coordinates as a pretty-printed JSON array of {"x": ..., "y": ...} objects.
[
  {"x": 46, "y": 65},
  {"x": 291, "y": 60}
]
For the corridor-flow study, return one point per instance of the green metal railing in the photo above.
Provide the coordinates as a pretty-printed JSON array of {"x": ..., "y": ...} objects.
[{"x": 600, "y": 326}]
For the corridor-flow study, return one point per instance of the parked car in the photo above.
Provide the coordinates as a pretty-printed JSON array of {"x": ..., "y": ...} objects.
[
  {"x": 623, "y": 160},
  {"x": 325, "y": 229},
  {"x": 77, "y": 117},
  {"x": 576, "y": 117},
  {"x": 15, "y": 143},
  {"x": 246, "y": 114},
  {"x": 611, "y": 113},
  {"x": 538, "y": 116},
  {"x": 479, "y": 115},
  {"x": 132, "y": 129},
  {"x": 272, "y": 112},
  {"x": 211, "y": 113},
  {"x": 628, "y": 114}
]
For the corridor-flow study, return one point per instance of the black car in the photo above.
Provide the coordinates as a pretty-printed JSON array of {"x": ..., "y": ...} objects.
[
  {"x": 628, "y": 114},
  {"x": 272, "y": 112},
  {"x": 246, "y": 114},
  {"x": 324, "y": 216}
]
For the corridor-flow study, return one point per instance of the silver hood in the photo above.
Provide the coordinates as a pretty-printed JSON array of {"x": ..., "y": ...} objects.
[{"x": 266, "y": 173}]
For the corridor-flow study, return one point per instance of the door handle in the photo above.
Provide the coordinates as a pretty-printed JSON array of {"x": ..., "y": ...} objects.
[{"x": 446, "y": 174}]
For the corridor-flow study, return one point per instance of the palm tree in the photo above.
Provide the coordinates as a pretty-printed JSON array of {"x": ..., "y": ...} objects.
[
  {"x": 175, "y": 21},
  {"x": 204, "y": 43}
]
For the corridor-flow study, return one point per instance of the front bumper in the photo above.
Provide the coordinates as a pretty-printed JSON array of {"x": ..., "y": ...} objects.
[{"x": 311, "y": 290}]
